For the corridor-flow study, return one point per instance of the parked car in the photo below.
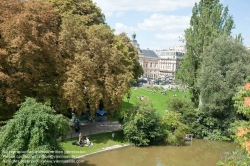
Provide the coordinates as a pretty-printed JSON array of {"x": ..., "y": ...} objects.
[{"x": 142, "y": 81}]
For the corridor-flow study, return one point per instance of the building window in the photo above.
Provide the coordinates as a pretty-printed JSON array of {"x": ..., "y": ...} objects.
[{"x": 150, "y": 64}]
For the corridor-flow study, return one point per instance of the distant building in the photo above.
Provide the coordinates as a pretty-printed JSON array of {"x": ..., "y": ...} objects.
[
  {"x": 169, "y": 62},
  {"x": 159, "y": 63},
  {"x": 178, "y": 48},
  {"x": 148, "y": 60}
]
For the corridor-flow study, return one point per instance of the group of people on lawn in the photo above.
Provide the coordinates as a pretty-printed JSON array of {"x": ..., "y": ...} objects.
[{"x": 86, "y": 142}]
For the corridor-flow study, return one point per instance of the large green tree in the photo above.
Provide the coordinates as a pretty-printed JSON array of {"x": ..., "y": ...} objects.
[
  {"x": 98, "y": 65},
  {"x": 209, "y": 20},
  {"x": 33, "y": 131},
  {"x": 28, "y": 44},
  {"x": 225, "y": 66}
]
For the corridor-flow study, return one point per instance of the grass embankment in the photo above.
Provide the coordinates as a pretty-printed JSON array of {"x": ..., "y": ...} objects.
[
  {"x": 157, "y": 98},
  {"x": 100, "y": 141}
]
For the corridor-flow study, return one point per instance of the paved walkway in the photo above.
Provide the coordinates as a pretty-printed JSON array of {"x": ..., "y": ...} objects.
[{"x": 88, "y": 129}]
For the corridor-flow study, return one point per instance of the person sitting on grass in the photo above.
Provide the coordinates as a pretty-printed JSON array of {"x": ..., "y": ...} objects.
[{"x": 88, "y": 143}]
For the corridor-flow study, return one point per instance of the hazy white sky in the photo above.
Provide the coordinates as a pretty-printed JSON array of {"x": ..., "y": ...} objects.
[{"x": 160, "y": 24}]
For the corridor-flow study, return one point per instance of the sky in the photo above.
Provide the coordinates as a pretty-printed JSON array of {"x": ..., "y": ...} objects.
[{"x": 160, "y": 24}]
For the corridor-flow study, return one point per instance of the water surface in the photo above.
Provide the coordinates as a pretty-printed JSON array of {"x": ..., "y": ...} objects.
[{"x": 196, "y": 153}]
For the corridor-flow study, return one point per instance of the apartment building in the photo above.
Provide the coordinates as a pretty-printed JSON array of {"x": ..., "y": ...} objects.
[{"x": 169, "y": 62}]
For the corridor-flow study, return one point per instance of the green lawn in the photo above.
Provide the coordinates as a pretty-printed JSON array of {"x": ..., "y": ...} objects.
[
  {"x": 100, "y": 142},
  {"x": 157, "y": 99},
  {"x": 104, "y": 140}
]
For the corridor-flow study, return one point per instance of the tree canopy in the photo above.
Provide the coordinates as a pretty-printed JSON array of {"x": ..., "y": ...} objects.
[
  {"x": 28, "y": 46},
  {"x": 225, "y": 66},
  {"x": 34, "y": 128},
  {"x": 209, "y": 20},
  {"x": 63, "y": 51}
]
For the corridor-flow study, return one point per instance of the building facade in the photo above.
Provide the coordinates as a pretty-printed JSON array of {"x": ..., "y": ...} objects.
[
  {"x": 169, "y": 62},
  {"x": 159, "y": 63},
  {"x": 150, "y": 62},
  {"x": 148, "y": 59}
]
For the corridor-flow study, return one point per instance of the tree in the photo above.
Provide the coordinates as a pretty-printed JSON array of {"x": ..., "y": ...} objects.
[
  {"x": 100, "y": 70},
  {"x": 225, "y": 66},
  {"x": 141, "y": 125},
  {"x": 34, "y": 128},
  {"x": 85, "y": 9},
  {"x": 28, "y": 46},
  {"x": 241, "y": 156},
  {"x": 209, "y": 20},
  {"x": 63, "y": 51},
  {"x": 98, "y": 65}
]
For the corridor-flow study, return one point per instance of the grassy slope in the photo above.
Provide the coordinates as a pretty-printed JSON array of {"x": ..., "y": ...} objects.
[{"x": 157, "y": 99}]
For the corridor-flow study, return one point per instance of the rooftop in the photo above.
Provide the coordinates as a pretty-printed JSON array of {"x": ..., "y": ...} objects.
[{"x": 149, "y": 53}]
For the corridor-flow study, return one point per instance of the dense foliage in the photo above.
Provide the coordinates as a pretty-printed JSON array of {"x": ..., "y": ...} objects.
[
  {"x": 209, "y": 20},
  {"x": 63, "y": 51},
  {"x": 141, "y": 125},
  {"x": 174, "y": 130},
  {"x": 28, "y": 61},
  {"x": 225, "y": 67},
  {"x": 241, "y": 156},
  {"x": 188, "y": 114},
  {"x": 34, "y": 128}
]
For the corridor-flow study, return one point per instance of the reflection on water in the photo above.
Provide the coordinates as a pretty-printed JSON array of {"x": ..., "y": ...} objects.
[{"x": 197, "y": 153}]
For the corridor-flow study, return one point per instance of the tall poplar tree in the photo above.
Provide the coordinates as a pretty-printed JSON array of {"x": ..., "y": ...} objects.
[{"x": 209, "y": 20}]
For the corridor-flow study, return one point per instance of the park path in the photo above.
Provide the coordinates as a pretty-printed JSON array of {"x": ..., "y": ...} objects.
[{"x": 88, "y": 129}]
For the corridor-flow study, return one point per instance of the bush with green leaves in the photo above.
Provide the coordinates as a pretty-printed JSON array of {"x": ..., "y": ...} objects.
[
  {"x": 141, "y": 125},
  {"x": 234, "y": 158},
  {"x": 184, "y": 107},
  {"x": 241, "y": 128},
  {"x": 210, "y": 128},
  {"x": 200, "y": 123},
  {"x": 33, "y": 129},
  {"x": 174, "y": 130}
]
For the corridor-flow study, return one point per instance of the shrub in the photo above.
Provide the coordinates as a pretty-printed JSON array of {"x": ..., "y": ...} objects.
[
  {"x": 141, "y": 125},
  {"x": 174, "y": 130}
]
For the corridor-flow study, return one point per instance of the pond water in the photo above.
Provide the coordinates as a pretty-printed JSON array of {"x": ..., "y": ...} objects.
[{"x": 195, "y": 153}]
